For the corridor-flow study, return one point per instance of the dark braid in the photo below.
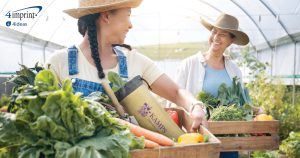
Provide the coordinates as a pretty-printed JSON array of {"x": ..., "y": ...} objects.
[
  {"x": 88, "y": 23},
  {"x": 81, "y": 26}
]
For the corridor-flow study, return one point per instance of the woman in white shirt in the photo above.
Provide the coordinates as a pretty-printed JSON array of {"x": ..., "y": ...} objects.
[
  {"x": 207, "y": 71},
  {"x": 196, "y": 72}
]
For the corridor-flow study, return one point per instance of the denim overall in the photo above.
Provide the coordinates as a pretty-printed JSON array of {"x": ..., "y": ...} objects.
[{"x": 87, "y": 87}]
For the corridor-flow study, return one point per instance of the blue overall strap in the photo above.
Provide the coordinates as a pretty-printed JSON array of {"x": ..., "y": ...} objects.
[
  {"x": 122, "y": 62},
  {"x": 87, "y": 87},
  {"x": 72, "y": 60}
]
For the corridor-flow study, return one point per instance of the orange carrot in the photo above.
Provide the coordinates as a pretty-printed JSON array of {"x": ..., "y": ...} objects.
[
  {"x": 150, "y": 144},
  {"x": 150, "y": 135}
]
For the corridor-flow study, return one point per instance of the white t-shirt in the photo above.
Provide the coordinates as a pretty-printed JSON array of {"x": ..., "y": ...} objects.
[
  {"x": 137, "y": 64},
  {"x": 191, "y": 72}
]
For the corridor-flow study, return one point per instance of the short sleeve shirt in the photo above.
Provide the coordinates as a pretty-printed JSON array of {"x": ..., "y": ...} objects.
[{"x": 137, "y": 64}]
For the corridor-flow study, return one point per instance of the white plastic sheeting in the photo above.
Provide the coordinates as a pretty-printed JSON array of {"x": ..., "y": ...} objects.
[
  {"x": 272, "y": 25},
  {"x": 285, "y": 62},
  {"x": 13, "y": 53},
  {"x": 166, "y": 21}
]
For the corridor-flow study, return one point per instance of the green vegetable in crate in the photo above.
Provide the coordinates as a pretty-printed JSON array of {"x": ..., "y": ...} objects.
[
  {"x": 291, "y": 145},
  {"x": 235, "y": 94},
  {"x": 53, "y": 122},
  {"x": 208, "y": 99},
  {"x": 24, "y": 77},
  {"x": 228, "y": 113}
]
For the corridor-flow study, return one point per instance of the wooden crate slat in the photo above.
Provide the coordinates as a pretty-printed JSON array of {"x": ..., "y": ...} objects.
[
  {"x": 249, "y": 143},
  {"x": 236, "y": 127},
  {"x": 195, "y": 151},
  {"x": 246, "y": 127},
  {"x": 210, "y": 149}
]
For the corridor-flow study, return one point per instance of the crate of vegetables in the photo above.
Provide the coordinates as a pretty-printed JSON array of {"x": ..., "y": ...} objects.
[
  {"x": 237, "y": 130},
  {"x": 232, "y": 120},
  {"x": 246, "y": 135},
  {"x": 209, "y": 149}
]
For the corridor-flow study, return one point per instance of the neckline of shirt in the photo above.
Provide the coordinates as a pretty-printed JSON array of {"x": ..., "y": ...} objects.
[{"x": 80, "y": 54}]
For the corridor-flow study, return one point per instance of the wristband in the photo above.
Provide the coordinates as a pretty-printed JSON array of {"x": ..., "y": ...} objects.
[{"x": 198, "y": 104}]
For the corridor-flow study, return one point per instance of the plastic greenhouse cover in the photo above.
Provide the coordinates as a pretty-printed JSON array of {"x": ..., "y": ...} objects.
[
  {"x": 161, "y": 21},
  {"x": 155, "y": 22}
]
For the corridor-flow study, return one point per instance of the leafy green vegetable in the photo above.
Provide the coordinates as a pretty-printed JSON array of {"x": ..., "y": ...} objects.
[
  {"x": 208, "y": 99},
  {"x": 46, "y": 81},
  {"x": 51, "y": 121},
  {"x": 25, "y": 75},
  {"x": 9, "y": 152},
  {"x": 23, "y": 78},
  {"x": 4, "y": 101},
  {"x": 228, "y": 113},
  {"x": 235, "y": 94},
  {"x": 9, "y": 136},
  {"x": 116, "y": 81},
  {"x": 291, "y": 145}
]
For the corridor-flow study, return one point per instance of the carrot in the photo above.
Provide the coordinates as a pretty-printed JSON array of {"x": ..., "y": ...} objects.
[
  {"x": 150, "y": 144},
  {"x": 150, "y": 135}
]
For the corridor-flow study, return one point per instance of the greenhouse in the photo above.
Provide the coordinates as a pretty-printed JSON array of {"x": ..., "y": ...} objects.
[{"x": 167, "y": 39}]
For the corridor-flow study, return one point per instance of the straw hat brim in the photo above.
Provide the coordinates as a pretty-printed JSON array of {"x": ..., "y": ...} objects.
[
  {"x": 241, "y": 38},
  {"x": 82, "y": 11}
]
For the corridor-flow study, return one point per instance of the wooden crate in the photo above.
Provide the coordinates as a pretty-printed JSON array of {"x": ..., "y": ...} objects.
[
  {"x": 249, "y": 142},
  {"x": 210, "y": 149}
]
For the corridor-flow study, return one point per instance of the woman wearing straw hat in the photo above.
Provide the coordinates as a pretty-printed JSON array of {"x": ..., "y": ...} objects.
[
  {"x": 207, "y": 71},
  {"x": 104, "y": 24}
]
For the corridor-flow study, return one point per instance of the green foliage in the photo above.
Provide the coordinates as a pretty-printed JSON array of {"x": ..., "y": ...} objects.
[
  {"x": 269, "y": 93},
  {"x": 266, "y": 94},
  {"x": 51, "y": 121},
  {"x": 291, "y": 145},
  {"x": 24, "y": 78},
  {"x": 116, "y": 80},
  {"x": 236, "y": 98},
  {"x": 228, "y": 113},
  {"x": 265, "y": 154},
  {"x": 9, "y": 152},
  {"x": 256, "y": 67},
  {"x": 25, "y": 75},
  {"x": 4, "y": 101},
  {"x": 235, "y": 94},
  {"x": 208, "y": 99},
  {"x": 289, "y": 117},
  {"x": 272, "y": 95}
]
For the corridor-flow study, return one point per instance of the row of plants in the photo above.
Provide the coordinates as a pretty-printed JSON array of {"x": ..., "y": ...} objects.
[{"x": 275, "y": 98}]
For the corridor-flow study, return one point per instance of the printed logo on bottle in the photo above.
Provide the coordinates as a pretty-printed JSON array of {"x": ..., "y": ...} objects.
[{"x": 146, "y": 111}]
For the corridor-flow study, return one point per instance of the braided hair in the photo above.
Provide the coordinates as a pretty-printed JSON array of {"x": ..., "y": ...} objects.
[{"x": 88, "y": 23}]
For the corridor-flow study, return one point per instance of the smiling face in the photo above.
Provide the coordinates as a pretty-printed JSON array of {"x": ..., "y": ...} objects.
[
  {"x": 219, "y": 40},
  {"x": 115, "y": 25}
]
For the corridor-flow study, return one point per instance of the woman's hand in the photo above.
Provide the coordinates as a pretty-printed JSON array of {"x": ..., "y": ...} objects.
[{"x": 198, "y": 118}]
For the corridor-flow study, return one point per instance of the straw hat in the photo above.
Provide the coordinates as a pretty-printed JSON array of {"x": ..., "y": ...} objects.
[
  {"x": 228, "y": 23},
  {"x": 87, "y": 7}
]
